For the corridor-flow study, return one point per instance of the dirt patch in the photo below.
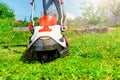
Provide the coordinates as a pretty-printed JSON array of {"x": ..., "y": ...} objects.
[{"x": 92, "y": 30}]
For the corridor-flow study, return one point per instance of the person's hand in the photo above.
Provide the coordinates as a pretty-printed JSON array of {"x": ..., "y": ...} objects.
[{"x": 62, "y": 1}]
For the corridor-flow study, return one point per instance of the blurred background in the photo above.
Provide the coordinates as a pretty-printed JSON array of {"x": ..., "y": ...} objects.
[{"x": 80, "y": 13}]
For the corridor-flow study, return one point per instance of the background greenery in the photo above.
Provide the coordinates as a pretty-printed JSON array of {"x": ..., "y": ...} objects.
[{"x": 5, "y": 11}]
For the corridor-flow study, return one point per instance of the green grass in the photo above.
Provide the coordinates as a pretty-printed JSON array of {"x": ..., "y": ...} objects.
[{"x": 91, "y": 56}]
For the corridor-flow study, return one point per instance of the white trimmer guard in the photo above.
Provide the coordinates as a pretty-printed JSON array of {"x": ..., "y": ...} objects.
[{"x": 55, "y": 34}]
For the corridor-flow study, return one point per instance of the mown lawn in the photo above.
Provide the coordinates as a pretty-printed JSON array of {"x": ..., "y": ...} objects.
[{"x": 91, "y": 56}]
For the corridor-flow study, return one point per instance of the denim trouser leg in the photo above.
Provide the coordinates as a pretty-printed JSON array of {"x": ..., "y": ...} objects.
[
  {"x": 46, "y": 5},
  {"x": 59, "y": 7},
  {"x": 60, "y": 10}
]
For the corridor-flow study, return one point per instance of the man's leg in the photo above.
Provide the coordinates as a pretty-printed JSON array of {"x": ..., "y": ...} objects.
[
  {"x": 64, "y": 14},
  {"x": 59, "y": 10},
  {"x": 46, "y": 5},
  {"x": 61, "y": 14},
  {"x": 64, "y": 18}
]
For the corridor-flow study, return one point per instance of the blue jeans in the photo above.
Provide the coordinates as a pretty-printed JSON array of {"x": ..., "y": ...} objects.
[{"x": 59, "y": 7}]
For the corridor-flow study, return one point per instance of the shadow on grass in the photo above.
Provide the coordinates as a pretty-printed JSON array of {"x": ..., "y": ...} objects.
[
  {"x": 32, "y": 61},
  {"x": 23, "y": 59}
]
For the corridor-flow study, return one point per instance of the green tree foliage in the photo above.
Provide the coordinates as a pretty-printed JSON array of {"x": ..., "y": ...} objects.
[
  {"x": 36, "y": 19},
  {"x": 25, "y": 23},
  {"x": 20, "y": 23},
  {"x": 5, "y": 11},
  {"x": 92, "y": 13},
  {"x": 113, "y": 7}
]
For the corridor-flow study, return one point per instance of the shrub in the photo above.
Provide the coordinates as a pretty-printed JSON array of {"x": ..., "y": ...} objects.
[{"x": 5, "y": 11}]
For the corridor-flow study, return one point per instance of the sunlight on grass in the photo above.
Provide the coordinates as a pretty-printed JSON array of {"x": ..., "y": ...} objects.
[{"x": 91, "y": 56}]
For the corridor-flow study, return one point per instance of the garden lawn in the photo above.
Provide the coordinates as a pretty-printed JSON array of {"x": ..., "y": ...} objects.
[{"x": 91, "y": 56}]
